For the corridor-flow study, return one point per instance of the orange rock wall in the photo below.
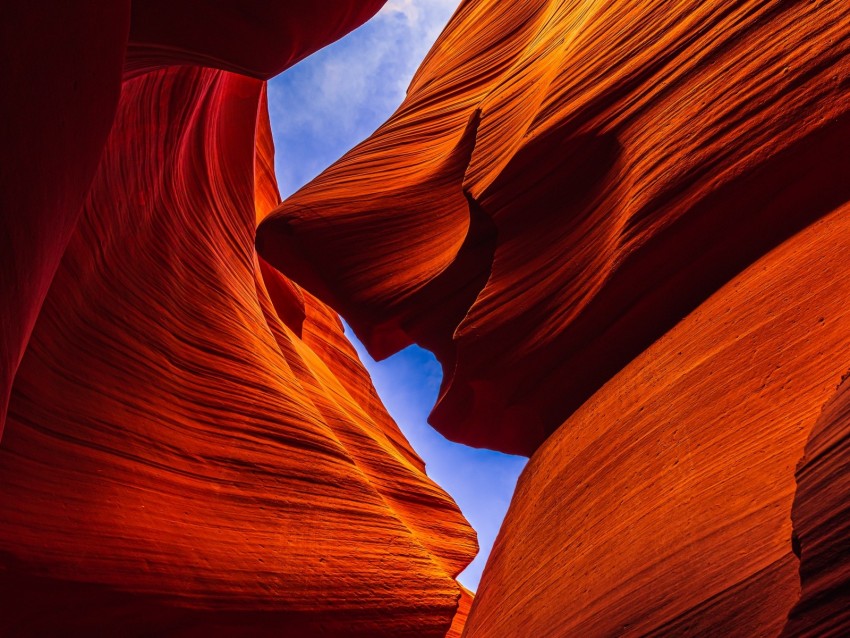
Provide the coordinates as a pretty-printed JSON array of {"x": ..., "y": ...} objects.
[
  {"x": 662, "y": 506},
  {"x": 621, "y": 228},
  {"x": 192, "y": 445},
  {"x": 564, "y": 182},
  {"x": 170, "y": 436},
  {"x": 459, "y": 622}
]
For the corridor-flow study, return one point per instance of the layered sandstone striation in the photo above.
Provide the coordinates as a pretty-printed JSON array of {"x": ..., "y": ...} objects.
[
  {"x": 62, "y": 71},
  {"x": 192, "y": 446},
  {"x": 663, "y": 504},
  {"x": 621, "y": 228},
  {"x": 564, "y": 182},
  {"x": 459, "y": 622},
  {"x": 822, "y": 525}
]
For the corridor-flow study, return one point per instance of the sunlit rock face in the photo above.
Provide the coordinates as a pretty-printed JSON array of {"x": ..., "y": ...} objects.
[
  {"x": 459, "y": 622},
  {"x": 192, "y": 446},
  {"x": 663, "y": 505},
  {"x": 621, "y": 226},
  {"x": 567, "y": 180}
]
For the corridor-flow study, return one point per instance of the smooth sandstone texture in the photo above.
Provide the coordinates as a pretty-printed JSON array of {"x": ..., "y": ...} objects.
[
  {"x": 621, "y": 226},
  {"x": 192, "y": 446},
  {"x": 61, "y": 73},
  {"x": 565, "y": 181},
  {"x": 663, "y": 505}
]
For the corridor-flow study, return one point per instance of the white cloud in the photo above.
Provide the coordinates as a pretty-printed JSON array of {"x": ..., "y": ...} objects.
[
  {"x": 338, "y": 96},
  {"x": 408, "y": 8}
]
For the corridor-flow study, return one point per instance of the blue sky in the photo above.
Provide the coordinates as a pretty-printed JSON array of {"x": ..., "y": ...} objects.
[{"x": 320, "y": 109}]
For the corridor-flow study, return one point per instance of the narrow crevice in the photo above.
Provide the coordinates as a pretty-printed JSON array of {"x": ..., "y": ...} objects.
[{"x": 817, "y": 539}]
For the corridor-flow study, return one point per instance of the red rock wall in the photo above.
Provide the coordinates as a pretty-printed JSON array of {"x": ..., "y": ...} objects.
[
  {"x": 192, "y": 445},
  {"x": 61, "y": 76},
  {"x": 820, "y": 519}
]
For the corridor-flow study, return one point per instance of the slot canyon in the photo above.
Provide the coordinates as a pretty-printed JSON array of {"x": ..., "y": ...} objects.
[{"x": 620, "y": 226}]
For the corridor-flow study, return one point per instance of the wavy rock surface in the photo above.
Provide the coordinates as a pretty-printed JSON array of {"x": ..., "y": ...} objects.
[
  {"x": 218, "y": 463},
  {"x": 663, "y": 505},
  {"x": 564, "y": 182},
  {"x": 61, "y": 76},
  {"x": 621, "y": 228},
  {"x": 62, "y": 72},
  {"x": 192, "y": 445},
  {"x": 821, "y": 525}
]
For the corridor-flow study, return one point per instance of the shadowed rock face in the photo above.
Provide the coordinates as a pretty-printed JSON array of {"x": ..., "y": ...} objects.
[
  {"x": 192, "y": 446},
  {"x": 254, "y": 37},
  {"x": 61, "y": 74},
  {"x": 820, "y": 519}
]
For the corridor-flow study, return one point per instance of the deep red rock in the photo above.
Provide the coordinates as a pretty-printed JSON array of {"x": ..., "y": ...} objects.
[
  {"x": 822, "y": 525},
  {"x": 253, "y": 37},
  {"x": 61, "y": 76}
]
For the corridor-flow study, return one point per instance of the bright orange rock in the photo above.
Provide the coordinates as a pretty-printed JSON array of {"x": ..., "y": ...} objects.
[
  {"x": 181, "y": 455},
  {"x": 636, "y": 278},
  {"x": 663, "y": 505},
  {"x": 466, "y": 598},
  {"x": 621, "y": 227},
  {"x": 625, "y": 160}
]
